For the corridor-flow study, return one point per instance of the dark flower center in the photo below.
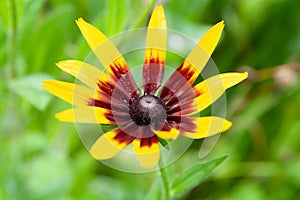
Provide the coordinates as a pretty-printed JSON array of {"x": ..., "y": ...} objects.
[{"x": 146, "y": 110}]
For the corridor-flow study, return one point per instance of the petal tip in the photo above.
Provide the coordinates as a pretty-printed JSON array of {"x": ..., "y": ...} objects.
[
  {"x": 158, "y": 18},
  {"x": 64, "y": 63},
  {"x": 150, "y": 159},
  {"x": 245, "y": 75},
  {"x": 242, "y": 76},
  {"x": 47, "y": 83},
  {"x": 59, "y": 116},
  {"x": 60, "y": 64},
  {"x": 79, "y": 20},
  {"x": 158, "y": 8},
  {"x": 95, "y": 154},
  {"x": 161, "y": 8},
  {"x": 227, "y": 125},
  {"x": 148, "y": 156},
  {"x": 106, "y": 146},
  {"x": 81, "y": 23},
  {"x": 220, "y": 26}
]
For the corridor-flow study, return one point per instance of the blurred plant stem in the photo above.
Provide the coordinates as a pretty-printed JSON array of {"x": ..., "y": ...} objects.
[
  {"x": 13, "y": 100},
  {"x": 12, "y": 39},
  {"x": 144, "y": 15},
  {"x": 12, "y": 120},
  {"x": 140, "y": 20},
  {"x": 165, "y": 179}
]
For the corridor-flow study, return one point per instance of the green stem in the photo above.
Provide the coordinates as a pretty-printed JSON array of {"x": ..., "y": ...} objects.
[
  {"x": 12, "y": 39},
  {"x": 112, "y": 16},
  {"x": 144, "y": 15},
  {"x": 15, "y": 115},
  {"x": 140, "y": 21},
  {"x": 165, "y": 180}
]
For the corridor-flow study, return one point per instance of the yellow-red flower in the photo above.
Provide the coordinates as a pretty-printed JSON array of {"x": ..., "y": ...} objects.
[{"x": 113, "y": 97}]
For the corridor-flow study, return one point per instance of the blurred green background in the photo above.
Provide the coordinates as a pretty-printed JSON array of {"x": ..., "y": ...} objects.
[{"x": 41, "y": 158}]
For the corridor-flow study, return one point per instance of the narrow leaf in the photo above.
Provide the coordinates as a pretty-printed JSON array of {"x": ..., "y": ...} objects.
[
  {"x": 30, "y": 88},
  {"x": 194, "y": 175},
  {"x": 155, "y": 191},
  {"x": 164, "y": 143}
]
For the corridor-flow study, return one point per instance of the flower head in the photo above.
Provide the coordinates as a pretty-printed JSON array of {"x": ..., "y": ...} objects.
[{"x": 143, "y": 116}]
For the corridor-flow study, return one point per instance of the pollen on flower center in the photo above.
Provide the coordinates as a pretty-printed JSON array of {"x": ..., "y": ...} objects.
[{"x": 146, "y": 110}]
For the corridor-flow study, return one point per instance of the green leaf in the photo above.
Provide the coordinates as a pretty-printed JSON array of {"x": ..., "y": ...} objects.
[
  {"x": 107, "y": 127},
  {"x": 164, "y": 143},
  {"x": 4, "y": 13},
  {"x": 144, "y": 15},
  {"x": 194, "y": 175},
  {"x": 155, "y": 191},
  {"x": 30, "y": 88}
]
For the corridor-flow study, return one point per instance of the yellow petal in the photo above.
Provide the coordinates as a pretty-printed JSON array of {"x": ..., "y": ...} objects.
[
  {"x": 103, "y": 48},
  {"x": 201, "y": 53},
  {"x": 158, "y": 18},
  {"x": 156, "y": 36},
  {"x": 172, "y": 134},
  {"x": 148, "y": 156},
  {"x": 87, "y": 114},
  {"x": 211, "y": 38},
  {"x": 72, "y": 93},
  {"x": 86, "y": 73},
  {"x": 208, "y": 126},
  {"x": 212, "y": 88},
  {"x": 106, "y": 146},
  {"x": 93, "y": 36}
]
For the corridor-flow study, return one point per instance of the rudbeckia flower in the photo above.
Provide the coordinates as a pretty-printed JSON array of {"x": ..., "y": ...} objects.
[{"x": 142, "y": 116}]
